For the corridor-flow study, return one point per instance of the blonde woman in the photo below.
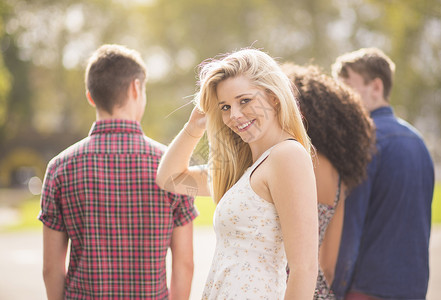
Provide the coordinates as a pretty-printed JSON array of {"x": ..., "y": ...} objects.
[{"x": 261, "y": 177}]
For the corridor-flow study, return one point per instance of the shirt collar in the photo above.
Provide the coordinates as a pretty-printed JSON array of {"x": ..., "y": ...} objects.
[
  {"x": 382, "y": 111},
  {"x": 116, "y": 126}
]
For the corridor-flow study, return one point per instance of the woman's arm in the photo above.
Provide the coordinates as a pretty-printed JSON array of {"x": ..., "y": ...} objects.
[
  {"x": 174, "y": 173},
  {"x": 291, "y": 183}
]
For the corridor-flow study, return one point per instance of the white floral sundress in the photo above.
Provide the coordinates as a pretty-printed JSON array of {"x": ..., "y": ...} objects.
[{"x": 249, "y": 261}]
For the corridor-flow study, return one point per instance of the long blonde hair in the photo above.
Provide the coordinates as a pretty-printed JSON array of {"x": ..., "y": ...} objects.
[{"x": 230, "y": 156}]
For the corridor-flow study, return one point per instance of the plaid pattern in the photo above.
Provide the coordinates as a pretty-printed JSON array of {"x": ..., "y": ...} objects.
[{"x": 102, "y": 192}]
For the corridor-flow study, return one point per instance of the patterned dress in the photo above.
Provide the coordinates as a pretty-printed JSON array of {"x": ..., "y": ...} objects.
[
  {"x": 249, "y": 260},
  {"x": 326, "y": 212}
]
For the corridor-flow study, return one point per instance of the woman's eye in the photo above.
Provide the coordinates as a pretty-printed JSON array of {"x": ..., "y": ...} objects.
[
  {"x": 245, "y": 100},
  {"x": 225, "y": 107}
]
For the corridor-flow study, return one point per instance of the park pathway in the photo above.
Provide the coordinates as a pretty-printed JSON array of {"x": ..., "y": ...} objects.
[{"x": 20, "y": 264}]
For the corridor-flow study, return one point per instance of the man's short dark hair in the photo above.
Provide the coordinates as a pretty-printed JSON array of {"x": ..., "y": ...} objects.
[{"x": 109, "y": 73}]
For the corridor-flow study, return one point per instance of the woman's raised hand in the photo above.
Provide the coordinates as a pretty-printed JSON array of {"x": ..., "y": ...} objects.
[
  {"x": 195, "y": 126},
  {"x": 175, "y": 164}
]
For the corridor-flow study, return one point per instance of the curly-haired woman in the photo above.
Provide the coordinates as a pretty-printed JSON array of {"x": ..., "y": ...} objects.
[{"x": 343, "y": 136}]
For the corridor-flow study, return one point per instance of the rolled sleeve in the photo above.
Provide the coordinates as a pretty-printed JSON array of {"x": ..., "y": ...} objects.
[
  {"x": 50, "y": 214},
  {"x": 185, "y": 211}
]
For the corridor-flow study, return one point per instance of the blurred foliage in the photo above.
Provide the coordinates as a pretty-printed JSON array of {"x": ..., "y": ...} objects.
[
  {"x": 45, "y": 45},
  {"x": 22, "y": 161},
  {"x": 5, "y": 77}
]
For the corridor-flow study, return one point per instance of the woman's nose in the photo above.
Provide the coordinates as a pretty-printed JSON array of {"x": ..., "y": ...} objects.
[{"x": 235, "y": 112}]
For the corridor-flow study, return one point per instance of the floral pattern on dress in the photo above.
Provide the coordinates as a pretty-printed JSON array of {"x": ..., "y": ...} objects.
[
  {"x": 325, "y": 214},
  {"x": 249, "y": 260}
]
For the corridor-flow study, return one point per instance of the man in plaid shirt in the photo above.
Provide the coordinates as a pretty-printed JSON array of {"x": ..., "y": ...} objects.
[{"x": 101, "y": 195}]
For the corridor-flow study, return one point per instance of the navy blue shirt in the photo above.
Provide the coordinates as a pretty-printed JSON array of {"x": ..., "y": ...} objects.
[{"x": 385, "y": 239}]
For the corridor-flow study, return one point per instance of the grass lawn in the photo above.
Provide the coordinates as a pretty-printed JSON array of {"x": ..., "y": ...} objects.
[
  {"x": 27, "y": 216},
  {"x": 28, "y": 212},
  {"x": 29, "y": 209},
  {"x": 206, "y": 207}
]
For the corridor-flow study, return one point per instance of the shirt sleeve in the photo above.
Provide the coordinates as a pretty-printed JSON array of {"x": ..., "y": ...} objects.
[
  {"x": 356, "y": 205},
  {"x": 50, "y": 213},
  {"x": 185, "y": 211}
]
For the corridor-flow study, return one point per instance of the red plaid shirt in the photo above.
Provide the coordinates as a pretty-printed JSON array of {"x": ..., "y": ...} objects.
[{"x": 102, "y": 192}]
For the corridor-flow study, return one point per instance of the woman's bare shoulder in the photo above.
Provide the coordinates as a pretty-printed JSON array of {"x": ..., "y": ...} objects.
[{"x": 287, "y": 153}]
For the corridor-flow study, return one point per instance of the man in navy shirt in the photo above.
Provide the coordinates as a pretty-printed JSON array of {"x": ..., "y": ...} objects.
[{"x": 385, "y": 239}]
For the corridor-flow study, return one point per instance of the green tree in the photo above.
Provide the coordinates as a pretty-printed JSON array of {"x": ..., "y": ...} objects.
[
  {"x": 5, "y": 77},
  {"x": 45, "y": 45}
]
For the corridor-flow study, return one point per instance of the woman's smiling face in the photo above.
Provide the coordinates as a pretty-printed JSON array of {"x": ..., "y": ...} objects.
[{"x": 246, "y": 109}]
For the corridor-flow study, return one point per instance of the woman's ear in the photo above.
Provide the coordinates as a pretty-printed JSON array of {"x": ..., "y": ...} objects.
[
  {"x": 274, "y": 100},
  {"x": 271, "y": 96}
]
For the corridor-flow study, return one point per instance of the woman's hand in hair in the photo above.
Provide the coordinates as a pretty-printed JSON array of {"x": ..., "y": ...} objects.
[{"x": 196, "y": 123}]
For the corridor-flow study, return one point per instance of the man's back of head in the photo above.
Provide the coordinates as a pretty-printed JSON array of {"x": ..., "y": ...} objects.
[
  {"x": 370, "y": 63},
  {"x": 109, "y": 72}
]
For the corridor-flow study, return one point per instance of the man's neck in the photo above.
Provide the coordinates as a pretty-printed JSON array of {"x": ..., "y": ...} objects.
[
  {"x": 376, "y": 104},
  {"x": 117, "y": 114}
]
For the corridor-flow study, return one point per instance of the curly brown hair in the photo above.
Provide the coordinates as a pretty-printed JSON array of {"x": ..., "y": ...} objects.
[{"x": 338, "y": 125}]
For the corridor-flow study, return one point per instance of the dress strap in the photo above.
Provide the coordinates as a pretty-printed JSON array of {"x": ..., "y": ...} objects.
[
  {"x": 260, "y": 159},
  {"x": 264, "y": 156}
]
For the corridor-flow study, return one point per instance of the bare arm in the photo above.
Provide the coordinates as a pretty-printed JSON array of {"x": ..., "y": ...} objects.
[
  {"x": 54, "y": 262},
  {"x": 182, "y": 262},
  {"x": 291, "y": 183},
  {"x": 174, "y": 166}
]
